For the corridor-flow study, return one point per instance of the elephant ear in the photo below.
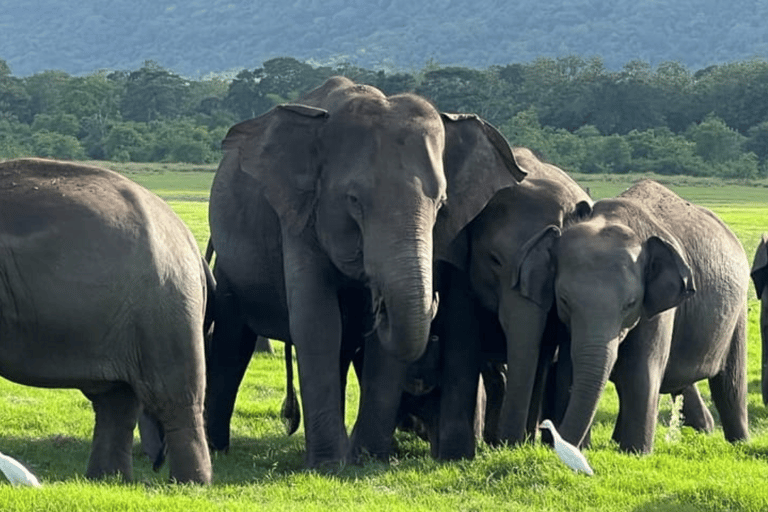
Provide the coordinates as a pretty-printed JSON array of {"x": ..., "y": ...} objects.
[
  {"x": 535, "y": 274},
  {"x": 478, "y": 162},
  {"x": 279, "y": 150},
  {"x": 759, "y": 270},
  {"x": 668, "y": 278}
]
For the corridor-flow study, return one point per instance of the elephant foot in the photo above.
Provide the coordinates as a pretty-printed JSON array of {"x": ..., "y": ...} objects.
[
  {"x": 188, "y": 454},
  {"x": 456, "y": 444},
  {"x": 117, "y": 412}
]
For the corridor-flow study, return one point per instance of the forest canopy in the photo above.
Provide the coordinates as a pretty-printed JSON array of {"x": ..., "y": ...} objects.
[{"x": 573, "y": 111}]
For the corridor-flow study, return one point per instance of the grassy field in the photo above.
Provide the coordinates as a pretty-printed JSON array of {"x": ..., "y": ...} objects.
[{"x": 49, "y": 430}]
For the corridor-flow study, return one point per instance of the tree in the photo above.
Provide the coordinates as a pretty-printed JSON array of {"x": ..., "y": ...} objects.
[
  {"x": 245, "y": 98},
  {"x": 125, "y": 142},
  {"x": 715, "y": 141},
  {"x": 65, "y": 124},
  {"x": 14, "y": 98},
  {"x": 757, "y": 141},
  {"x": 55, "y": 145},
  {"x": 153, "y": 93},
  {"x": 524, "y": 129},
  {"x": 455, "y": 89}
]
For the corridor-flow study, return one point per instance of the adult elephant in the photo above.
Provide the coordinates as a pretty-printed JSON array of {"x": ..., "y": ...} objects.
[
  {"x": 624, "y": 283},
  {"x": 103, "y": 289},
  {"x": 327, "y": 206},
  {"x": 760, "y": 278},
  {"x": 485, "y": 319}
]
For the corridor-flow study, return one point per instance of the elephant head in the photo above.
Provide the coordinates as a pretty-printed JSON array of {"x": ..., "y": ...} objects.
[
  {"x": 604, "y": 273},
  {"x": 364, "y": 176},
  {"x": 759, "y": 275}
]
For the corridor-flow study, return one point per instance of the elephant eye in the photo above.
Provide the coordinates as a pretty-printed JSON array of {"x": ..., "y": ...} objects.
[
  {"x": 355, "y": 207},
  {"x": 630, "y": 305}
]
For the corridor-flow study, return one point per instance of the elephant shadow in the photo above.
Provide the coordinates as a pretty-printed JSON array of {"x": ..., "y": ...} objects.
[
  {"x": 274, "y": 457},
  {"x": 62, "y": 457}
]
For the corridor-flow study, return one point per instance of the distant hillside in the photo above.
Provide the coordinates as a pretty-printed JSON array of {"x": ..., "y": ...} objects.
[{"x": 197, "y": 37}]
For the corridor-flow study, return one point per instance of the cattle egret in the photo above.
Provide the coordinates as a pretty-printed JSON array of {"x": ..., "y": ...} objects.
[
  {"x": 16, "y": 473},
  {"x": 568, "y": 453}
]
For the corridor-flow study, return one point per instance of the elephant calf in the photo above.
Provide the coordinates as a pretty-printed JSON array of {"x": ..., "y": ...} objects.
[
  {"x": 653, "y": 291},
  {"x": 760, "y": 278},
  {"x": 103, "y": 289}
]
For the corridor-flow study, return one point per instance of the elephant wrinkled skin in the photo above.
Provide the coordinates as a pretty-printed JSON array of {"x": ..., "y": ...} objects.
[
  {"x": 485, "y": 320},
  {"x": 103, "y": 289},
  {"x": 653, "y": 290},
  {"x": 322, "y": 215}
]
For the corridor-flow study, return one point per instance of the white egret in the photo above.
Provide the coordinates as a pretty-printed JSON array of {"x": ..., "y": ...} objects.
[
  {"x": 568, "y": 453},
  {"x": 16, "y": 473}
]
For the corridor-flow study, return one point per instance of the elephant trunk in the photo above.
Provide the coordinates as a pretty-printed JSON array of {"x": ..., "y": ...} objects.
[
  {"x": 403, "y": 297},
  {"x": 593, "y": 360}
]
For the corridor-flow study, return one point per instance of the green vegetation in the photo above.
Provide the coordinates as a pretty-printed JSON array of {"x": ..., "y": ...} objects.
[
  {"x": 667, "y": 119},
  {"x": 49, "y": 430}
]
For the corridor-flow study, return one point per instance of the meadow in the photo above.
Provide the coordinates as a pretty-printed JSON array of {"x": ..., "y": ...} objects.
[{"x": 50, "y": 430}]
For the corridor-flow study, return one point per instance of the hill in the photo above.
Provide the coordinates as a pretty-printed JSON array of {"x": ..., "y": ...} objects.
[{"x": 198, "y": 37}]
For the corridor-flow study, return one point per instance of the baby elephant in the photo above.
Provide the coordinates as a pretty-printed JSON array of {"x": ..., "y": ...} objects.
[
  {"x": 760, "y": 278},
  {"x": 653, "y": 291},
  {"x": 103, "y": 289}
]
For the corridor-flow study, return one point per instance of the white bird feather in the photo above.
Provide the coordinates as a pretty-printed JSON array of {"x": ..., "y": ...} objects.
[
  {"x": 569, "y": 454},
  {"x": 16, "y": 473}
]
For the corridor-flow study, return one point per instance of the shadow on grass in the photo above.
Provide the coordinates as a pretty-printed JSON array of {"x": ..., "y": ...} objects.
[
  {"x": 58, "y": 457},
  {"x": 278, "y": 457}
]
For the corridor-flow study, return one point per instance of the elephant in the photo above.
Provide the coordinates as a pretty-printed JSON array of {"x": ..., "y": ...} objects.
[
  {"x": 653, "y": 292},
  {"x": 485, "y": 320},
  {"x": 759, "y": 275},
  {"x": 104, "y": 290},
  {"x": 322, "y": 215}
]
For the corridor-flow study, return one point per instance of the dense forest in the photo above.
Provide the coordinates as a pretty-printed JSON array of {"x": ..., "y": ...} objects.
[
  {"x": 197, "y": 37},
  {"x": 573, "y": 111}
]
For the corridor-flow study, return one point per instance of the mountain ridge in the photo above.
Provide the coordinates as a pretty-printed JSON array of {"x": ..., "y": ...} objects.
[{"x": 201, "y": 37}]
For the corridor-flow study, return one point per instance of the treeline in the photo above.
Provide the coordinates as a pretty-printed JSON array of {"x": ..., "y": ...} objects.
[{"x": 572, "y": 111}]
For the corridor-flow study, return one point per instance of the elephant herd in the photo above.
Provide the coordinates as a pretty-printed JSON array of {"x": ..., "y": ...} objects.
[{"x": 374, "y": 231}]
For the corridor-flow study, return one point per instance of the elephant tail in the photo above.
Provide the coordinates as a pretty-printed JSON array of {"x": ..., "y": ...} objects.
[
  {"x": 290, "y": 410},
  {"x": 209, "y": 251},
  {"x": 210, "y": 294}
]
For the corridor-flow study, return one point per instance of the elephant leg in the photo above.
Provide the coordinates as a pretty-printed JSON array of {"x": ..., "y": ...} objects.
[
  {"x": 695, "y": 412},
  {"x": 729, "y": 387},
  {"x": 551, "y": 387},
  {"x": 460, "y": 338},
  {"x": 229, "y": 354},
  {"x": 494, "y": 382},
  {"x": 381, "y": 390},
  {"x": 152, "y": 439},
  {"x": 316, "y": 330},
  {"x": 117, "y": 411},
  {"x": 638, "y": 375},
  {"x": 228, "y": 363},
  {"x": 357, "y": 320},
  {"x": 188, "y": 454}
]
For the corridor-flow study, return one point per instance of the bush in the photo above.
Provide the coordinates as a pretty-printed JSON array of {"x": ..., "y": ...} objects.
[{"x": 55, "y": 145}]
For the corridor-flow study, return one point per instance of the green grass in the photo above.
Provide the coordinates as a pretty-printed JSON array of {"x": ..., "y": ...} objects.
[{"x": 49, "y": 430}]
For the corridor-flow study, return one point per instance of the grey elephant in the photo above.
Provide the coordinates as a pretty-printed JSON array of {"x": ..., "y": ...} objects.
[
  {"x": 653, "y": 291},
  {"x": 760, "y": 278},
  {"x": 104, "y": 290},
  {"x": 322, "y": 215},
  {"x": 485, "y": 320}
]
